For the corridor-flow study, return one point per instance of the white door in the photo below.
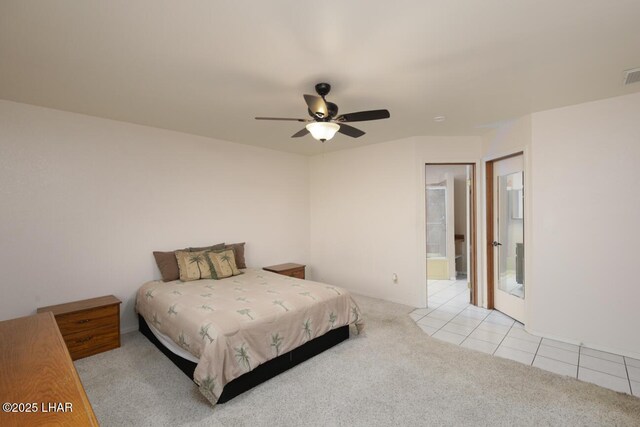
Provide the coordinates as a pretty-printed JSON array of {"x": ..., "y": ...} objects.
[{"x": 508, "y": 242}]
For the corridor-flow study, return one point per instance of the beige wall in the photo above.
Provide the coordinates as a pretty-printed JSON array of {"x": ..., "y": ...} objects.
[
  {"x": 85, "y": 201},
  {"x": 363, "y": 221},
  {"x": 368, "y": 214},
  {"x": 586, "y": 207}
]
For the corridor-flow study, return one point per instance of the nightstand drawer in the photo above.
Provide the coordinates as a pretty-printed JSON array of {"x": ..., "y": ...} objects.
[
  {"x": 87, "y": 320},
  {"x": 299, "y": 273},
  {"x": 87, "y": 343},
  {"x": 85, "y": 336}
]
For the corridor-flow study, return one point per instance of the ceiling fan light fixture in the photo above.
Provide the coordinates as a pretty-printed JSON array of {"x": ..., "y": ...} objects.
[
  {"x": 323, "y": 131},
  {"x": 325, "y": 120}
]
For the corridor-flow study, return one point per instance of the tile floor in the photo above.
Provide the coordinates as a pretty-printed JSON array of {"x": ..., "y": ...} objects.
[{"x": 451, "y": 318}]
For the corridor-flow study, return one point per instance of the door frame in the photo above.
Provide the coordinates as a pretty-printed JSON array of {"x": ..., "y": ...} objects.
[
  {"x": 474, "y": 232},
  {"x": 489, "y": 202}
]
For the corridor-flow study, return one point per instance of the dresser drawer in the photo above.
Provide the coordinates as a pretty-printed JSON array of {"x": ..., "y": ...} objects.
[{"x": 87, "y": 320}]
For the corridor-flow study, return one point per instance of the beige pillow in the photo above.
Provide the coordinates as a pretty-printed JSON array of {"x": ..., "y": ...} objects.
[
  {"x": 222, "y": 264},
  {"x": 193, "y": 265}
]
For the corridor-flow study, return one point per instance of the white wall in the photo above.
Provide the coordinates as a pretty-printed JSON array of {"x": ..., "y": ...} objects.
[
  {"x": 363, "y": 222},
  {"x": 509, "y": 137},
  {"x": 368, "y": 214},
  {"x": 85, "y": 201},
  {"x": 586, "y": 211}
]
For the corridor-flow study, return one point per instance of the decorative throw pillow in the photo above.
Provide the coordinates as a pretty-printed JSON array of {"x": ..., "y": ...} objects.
[
  {"x": 222, "y": 264},
  {"x": 238, "y": 251},
  {"x": 168, "y": 264},
  {"x": 193, "y": 265}
]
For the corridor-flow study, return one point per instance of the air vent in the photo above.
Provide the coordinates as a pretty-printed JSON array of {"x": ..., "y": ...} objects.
[{"x": 632, "y": 76}]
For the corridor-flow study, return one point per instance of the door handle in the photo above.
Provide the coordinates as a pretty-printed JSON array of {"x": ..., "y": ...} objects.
[{"x": 496, "y": 243}]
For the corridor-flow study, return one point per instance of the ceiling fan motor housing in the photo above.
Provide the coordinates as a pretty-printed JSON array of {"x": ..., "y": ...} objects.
[{"x": 323, "y": 89}]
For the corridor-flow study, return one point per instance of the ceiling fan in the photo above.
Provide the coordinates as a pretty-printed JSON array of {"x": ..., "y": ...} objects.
[{"x": 325, "y": 122}]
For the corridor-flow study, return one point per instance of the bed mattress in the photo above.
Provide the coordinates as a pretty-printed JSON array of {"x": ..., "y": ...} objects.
[{"x": 171, "y": 346}]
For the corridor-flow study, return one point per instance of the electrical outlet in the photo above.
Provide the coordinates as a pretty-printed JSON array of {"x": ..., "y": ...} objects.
[{"x": 394, "y": 277}]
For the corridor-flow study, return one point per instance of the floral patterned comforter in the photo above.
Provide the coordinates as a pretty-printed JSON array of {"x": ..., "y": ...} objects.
[{"x": 233, "y": 325}]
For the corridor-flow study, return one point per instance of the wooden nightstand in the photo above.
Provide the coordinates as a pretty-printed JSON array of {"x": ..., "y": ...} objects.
[
  {"x": 89, "y": 326},
  {"x": 288, "y": 269}
]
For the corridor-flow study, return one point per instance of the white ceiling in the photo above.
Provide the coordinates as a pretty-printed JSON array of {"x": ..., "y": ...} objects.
[{"x": 208, "y": 67}]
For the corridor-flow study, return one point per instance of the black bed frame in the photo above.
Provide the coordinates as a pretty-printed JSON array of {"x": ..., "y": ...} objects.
[{"x": 263, "y": 372}]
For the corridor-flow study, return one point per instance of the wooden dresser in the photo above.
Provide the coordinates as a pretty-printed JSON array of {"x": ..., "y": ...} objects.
[
  {"x": 89, "y": 326},
  {"x": 37, "y": 375},
  {"x": 289, "y": 269}
]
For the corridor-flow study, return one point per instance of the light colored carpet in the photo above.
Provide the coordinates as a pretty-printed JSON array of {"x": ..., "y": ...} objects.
[{"x": 393, "y": 374}]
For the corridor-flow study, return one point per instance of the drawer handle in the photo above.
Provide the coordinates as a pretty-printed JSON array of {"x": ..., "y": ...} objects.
[
  {"x": 81, "y": 340},
  {"x": 83, "y": 321}
]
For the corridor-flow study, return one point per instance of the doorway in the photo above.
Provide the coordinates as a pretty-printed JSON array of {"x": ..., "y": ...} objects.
[
  {"x": 505, "y": 235},
  {"x": 450, "y": 205}
]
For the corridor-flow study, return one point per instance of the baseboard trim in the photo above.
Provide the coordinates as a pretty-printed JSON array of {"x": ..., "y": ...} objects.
[
  {"x": 593, "y": 346},
  {"x": 128, "y": 330}
]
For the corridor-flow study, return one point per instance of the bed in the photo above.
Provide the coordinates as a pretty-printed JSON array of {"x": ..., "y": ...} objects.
[{"x": 234, "y": 333}]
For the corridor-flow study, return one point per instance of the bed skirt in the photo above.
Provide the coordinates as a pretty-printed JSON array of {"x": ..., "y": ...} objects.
[{"x": 264, "y": 371}]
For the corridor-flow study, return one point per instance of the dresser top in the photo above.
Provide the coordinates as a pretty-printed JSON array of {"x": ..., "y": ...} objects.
[
  {"x": 72, "y": 307},
  {"x": 35, "y": 367}
]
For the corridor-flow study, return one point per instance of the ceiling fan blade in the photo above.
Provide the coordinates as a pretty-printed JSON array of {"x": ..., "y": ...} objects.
[
  {"x": 362, "y": 116},
  {"x": 350, "y": 131},
  {"x": 283, "y": 118},
  {"x": 317, "y": 105},
  {"x": 301, "y": 132}
]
